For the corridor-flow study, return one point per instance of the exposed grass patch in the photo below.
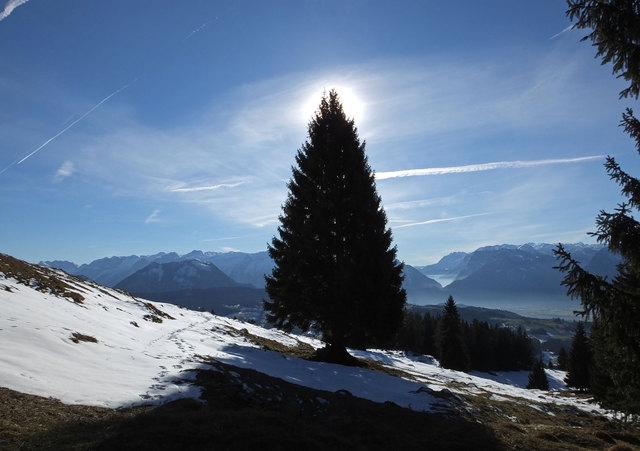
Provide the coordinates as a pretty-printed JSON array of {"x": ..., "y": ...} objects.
[
  {"x": 306, "y": 351},
  {"x": 41, "y": 278},
  {"x": 77, "y": 337},
  {"x": 520, "y": 425},
  {"x": 301, "y": 350},
  {"x": 152, "y": 318},
  {"x": 156, "y": 311},
  {"x": 30, "y": 422},
  {"x": 103, "y": 291}
]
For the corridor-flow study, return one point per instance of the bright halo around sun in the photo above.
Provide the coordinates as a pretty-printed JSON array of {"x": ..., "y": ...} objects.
[{"x": 352, "y": 104}]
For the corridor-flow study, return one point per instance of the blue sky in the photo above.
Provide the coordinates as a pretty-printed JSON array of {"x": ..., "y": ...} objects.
[{"x": 133, "y": 127}]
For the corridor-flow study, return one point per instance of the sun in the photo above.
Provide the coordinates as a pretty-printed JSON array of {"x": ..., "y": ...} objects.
[{"x": 352, "y": 102}]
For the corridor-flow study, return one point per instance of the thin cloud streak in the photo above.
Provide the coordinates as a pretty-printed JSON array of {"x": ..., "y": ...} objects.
[
  {"x": 10, "y": 6},
  {"x": 480, "y": 167},
  {"x": 435, "y": 221},
  {"x": 206, "y": 188},
  {"x": 87, "y": 113},
  {"x": 153, "y": 217}
]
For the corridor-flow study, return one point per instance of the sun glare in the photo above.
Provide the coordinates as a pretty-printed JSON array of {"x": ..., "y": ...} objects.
[{"x": 351, "y": 103}]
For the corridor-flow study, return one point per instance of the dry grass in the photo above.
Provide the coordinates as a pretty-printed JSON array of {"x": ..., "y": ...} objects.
[
  {"x": 306, "y": 351},
  {"x": 41, "y": 278},
  {"x": 31, "y": 422},
  {"x": 152, "y": 318},
  {"x": 521, "y": 425},
  {"x": 301, "y": 350},
  {"x": 77, "y": 337},
  {"x": 246, "y": 409},
  {"x": 156, "y": 311}
]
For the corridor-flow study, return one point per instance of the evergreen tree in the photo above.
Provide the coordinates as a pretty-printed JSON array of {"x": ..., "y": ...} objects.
[
  {"x": 411, "y": 335},
  {"x": 579, "y": 365},
  {"x": 430, "y": 325},
  {"x": 538, "y": 378},
  {"x": 614, "y": 305},
  {"x": 563, "y": 359},
  {"x": 615, "y": 31},
  {"x": 335, "y": 266},
  {"x": 523, "y": 354},
  {"x": 481, "y": 348},
  {"x": 489, "y": 348},
  {"x": 452, "y": 352}
]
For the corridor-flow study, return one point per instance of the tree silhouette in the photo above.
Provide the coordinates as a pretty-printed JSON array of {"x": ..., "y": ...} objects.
[
  {"x": 579, "y": 364},
  {"x": 614, "y": 304},
  {"x": 335, "y": 266},
  {"x": 452, "y": 352},
  {"x": 538, "y": 378},
  {"x": 563, "y": 359}
]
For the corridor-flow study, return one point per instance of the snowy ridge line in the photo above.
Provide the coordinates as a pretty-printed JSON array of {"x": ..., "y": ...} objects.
[{"x": 137, "y": 359}]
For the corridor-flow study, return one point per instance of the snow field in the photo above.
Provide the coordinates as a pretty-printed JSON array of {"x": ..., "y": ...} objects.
[{"x": 139, "y": 361}]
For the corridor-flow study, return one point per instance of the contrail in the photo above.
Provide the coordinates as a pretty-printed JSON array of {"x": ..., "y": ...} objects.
[
  {"x": 197, "y": 30},
  {"x": 206, "y": 188},
  {"x": 10, "y": 6},
  {"x": 480, "y": 167},
  {"x": 91, "y": 110},
  {"x": 434, "y": 221},
  {"x": 564, "y": 30},
  {"x": 88, "y": 112}
]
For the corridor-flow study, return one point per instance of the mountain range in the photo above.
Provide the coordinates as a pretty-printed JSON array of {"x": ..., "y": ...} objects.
[
  {"x": 241, "y": 267},
  {"x": 196, "y": 285},
  {"x": 520, "y": 278}
]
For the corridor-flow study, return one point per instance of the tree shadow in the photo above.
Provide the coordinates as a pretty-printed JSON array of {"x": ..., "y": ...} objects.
[{"x": 245, "y": 409}]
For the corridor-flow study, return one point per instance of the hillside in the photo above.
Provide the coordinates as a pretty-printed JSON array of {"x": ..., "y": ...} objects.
[{"x": 87, "y": 345}]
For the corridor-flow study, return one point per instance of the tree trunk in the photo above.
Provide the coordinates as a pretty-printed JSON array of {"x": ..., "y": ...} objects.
[{"x": 336, "y": 352}]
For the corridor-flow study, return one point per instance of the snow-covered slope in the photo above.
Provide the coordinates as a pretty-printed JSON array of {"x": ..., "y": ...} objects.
[{"x": 86, "y": 344}]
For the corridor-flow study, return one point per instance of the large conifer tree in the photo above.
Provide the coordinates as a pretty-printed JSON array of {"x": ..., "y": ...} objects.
[
  {"x": 335, "y": 265},
  {"x": 614, "y": 304}
]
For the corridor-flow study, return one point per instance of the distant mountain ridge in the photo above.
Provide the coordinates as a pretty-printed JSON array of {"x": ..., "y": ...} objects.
[
  {"x": 511, "y": 275},
  {"x": 174, "y": 276},
  {"x": 137, "y": 274},
  {"x": 459, "y": 264},
  {"x": 243, "y": 268},
  {"x": 501, "y": 276},
  {"x": 196, "y": 285}
]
